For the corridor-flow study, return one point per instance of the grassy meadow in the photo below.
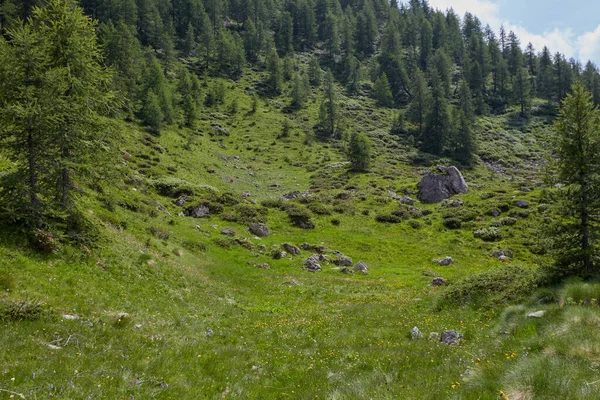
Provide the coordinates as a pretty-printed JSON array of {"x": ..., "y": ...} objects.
[{"x": 159, "y": 305}]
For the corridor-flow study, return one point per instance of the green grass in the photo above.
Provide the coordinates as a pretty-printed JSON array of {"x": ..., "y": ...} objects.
[{"x": 164, "y": 310}]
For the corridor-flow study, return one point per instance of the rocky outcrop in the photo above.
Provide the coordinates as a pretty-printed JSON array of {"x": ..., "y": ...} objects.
[
  {"x": 260, "y": 230},
  {"x": 434, "y": 188}
]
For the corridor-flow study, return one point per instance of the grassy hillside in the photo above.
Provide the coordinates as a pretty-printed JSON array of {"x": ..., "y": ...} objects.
[{"x": 162, "y": 305}]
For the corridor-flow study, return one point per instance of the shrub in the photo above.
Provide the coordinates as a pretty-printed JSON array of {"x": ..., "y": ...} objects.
[
  {"x": 319, "y": 208},
  {"x": 491, "y": 234},
  {"x": 300, "y": 216},
  {"x": 490, "y": 288},
  {"x": 45, "y": 241},
  {"x": 452, "y": 223},
  {"x": 461, "y": 214},
  {"x": 175, "y": 187},
  {"x": 504, "y": 222},
  {"x": 273, "y": 203},
  {"x": 159, "y": 233},
  {"x": 393, "y": 219},
  {"x": 580, "y": 293},
  {"x": 246, "y": 214},
  {"x": 25, "y": 310}
]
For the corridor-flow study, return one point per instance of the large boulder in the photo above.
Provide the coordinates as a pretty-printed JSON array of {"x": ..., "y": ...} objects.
[
  {"x": 260, "y": 230},
  {"x": 434, "y": 188}
]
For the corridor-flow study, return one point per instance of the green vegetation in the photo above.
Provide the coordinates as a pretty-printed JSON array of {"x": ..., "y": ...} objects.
[{"x": 134, "y": 262}]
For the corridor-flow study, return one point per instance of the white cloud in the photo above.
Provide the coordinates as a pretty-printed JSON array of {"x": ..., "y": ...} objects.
[
  {"x": 589, "y": 46},
  {"x": 583, "y": 47}
]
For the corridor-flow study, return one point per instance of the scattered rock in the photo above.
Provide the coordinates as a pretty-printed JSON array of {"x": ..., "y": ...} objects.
[
  {"x": 435, "y": 188},
  {"x": 246, "y": 194},
  {"x": 312, "y": 263},
  {"x": 346, "y": 270},
  {"x": 502, "y": 254},
  {"x": 228, "y": 232},
  {"x": 209, "y": 333},
  {"x": 262, "y": 247},
  {"x": 275, "y": 185},
  {"x": 265, "y": 266},
  {"x": 453, "y": 203},
  {"x": 293, "y": 282},
  {"x": 290, "y": 248},
  {"x": 438, "y": 282},
  {"x": 522, "y": 203},
  {"x": 54, "y": 347},
  {"x": 70, "y": 317},
  {"x": 200, "y": 211},
  {"x": 260, "y": 230},
  {"x": 407, "y": 200},
  {"x": 524, "y": 189},
  {"x": 416, "y": 333},
  {"x": 306, "y": 246},
  {"x": 361, "y": 267},
  {"x": 537, "y": 314},
  {"x": 495, "y": 212},
  {"x": 434, "y": 336},
  {"x": 181, "y": 201},
  {"x": 304, "y": 224},
  {"x": 451, "y": 337},
  {"x": 278, "y": 254},
  {"x": 295, "y": 195},
  {"x": 343, "y": 260},
  {"x": 444, "y": 262}
]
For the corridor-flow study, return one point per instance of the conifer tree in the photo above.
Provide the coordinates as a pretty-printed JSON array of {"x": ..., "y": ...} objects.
[
  {"x": 464, "y": 143},
  {"x": 439, "y": 121},
  {"x": 275, "y": 77},
  {"x": 329, "y": 118},
  {"x": 382, "y": 92},
  {"x": 522, "y": 90},
  {"x": 577, "y": 143},
  {"x": 314, "y": 72},
  {"x": 417, "y": 111},
  {"x": 359, "y": 152}
]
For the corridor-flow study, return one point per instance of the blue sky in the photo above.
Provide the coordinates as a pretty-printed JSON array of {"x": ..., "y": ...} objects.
[{"x": 572, "y": 29}]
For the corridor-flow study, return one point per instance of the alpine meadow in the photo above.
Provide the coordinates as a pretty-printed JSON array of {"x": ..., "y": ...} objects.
[{"x": 293, "y": 199}]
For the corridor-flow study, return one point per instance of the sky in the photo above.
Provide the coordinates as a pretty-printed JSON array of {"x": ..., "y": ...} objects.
[{"x": 572, "y": 28}]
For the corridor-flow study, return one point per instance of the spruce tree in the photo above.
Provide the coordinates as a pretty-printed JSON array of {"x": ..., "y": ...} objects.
[
  {"x": 439, "y": 121},
  {"x": 464, "y": 143},
  {"x": 382, "y": 92},
  {"x": 522, "y": 90},
  {"x": 329, "y": 118},
  {"x": 418, "y": 111}
]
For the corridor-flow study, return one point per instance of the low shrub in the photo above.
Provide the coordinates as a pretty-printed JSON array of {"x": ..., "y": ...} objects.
[
  {"x": 580, "y": 293},
  {"x": 490, "y": 288},
  {"x": 246, "y": 214},
  {"x": 320, "y": 208},
  {"x": 452, "y": 223},
  {"x": 491, "y": 234},
  {"x": 504, "y": 222},
  {"x": 175, "y": 187},
  {"x": 24, "y": 310}
]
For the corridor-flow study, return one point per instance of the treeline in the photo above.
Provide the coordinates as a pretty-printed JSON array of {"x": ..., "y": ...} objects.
[{"x": 411, "y": 52}]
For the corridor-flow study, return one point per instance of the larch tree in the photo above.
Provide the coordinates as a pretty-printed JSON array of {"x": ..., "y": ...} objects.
[{"x": 577, "y": 146}]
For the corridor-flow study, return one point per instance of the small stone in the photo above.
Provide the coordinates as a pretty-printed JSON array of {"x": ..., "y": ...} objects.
[
  {"x": 265, "y": 266},
  {"x": 347, "y": 271},
  {"x": 524, "y": 189},
  {"x": 262, "y": 247},
  {"x": 343, "y": 261},
  {"x": 495, "y": 212},
  {"x": 451, "y": 337},
  {"x": 361, "y": 267},
  {"x": 290, "y": 248},
  {"x": 522, "y": 203},
  {"x": 312, "y": 264},
  {"x": 228, "y": 232},
  {"x": 439, "y": 282},
  {"x": 537, "y": 314},
  {"x": 416, "y": 333},
  {"x": 446, "y": 261},
  {"x": 70, "y": 317},
  {"x": 246, "y": 194},
  {"x": 407, "y": 200}
]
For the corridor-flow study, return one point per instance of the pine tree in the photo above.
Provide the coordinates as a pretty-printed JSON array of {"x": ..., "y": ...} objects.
[
  {"x": 522, "y": 90},
  {"x": 359, "y": 152},
  {"x": 439, "y": 121},
  {"x": 464, "y": 146},
  {"x": 329, "y": 118},
  {"x": 576, "y": 146},
  {"x": 314, "y": 72},
  {"x": 417, "y": 111},
  {"x": 151, "y": 112},
  {"x": 274, "y": 81},
  {"x": 382, "y": 92}
]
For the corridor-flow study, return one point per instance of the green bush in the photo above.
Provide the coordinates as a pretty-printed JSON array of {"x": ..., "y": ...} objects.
[
  {"x": 320, "y": 208},
  {"x": 246, "y": 214},
  {"x": 504, "y": 222},
  {"x": 580, "y": 293},
  {"x": 175, "y": 187},
  {"x": 491, "y": 234},
  {"x": 490, "y": 288},
  {"x": 24, "y": 310},
  {"x": 452, "y": 223}
]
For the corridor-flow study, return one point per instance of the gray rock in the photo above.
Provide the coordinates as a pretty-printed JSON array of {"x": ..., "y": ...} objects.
[
  {"x": 361, "y": 267},
  {"x": 495, "y": 212},
  {"x": 407, "y": 200},
  {"x": 446, "y": 261},
  {"x": 290, "y": 248},
  {"x": 524, "y": 189},
  {"x": 522, "y": 203},
  {"x": 260, "y": 230},
  {"x": 346, "y": 270},
  {"x": 246, "y": 194},
  {"x": 451, "y": 337},
  {"x": 200, "y": 211},
  {"x": 181, "y": 201},
  {"x": 439, "y": 282},
  {"x": 306, "y": 246},
  {"x": 312, "y": 263},
  {"x": 434, "y": 188},
  {"x": 416, "y": 333},
  {"x": 537, "y": 314},
  {"x": 262, "y": 247},
  {"x": 304, "y": 224},
  {"x": 228, "y": 232},
  {"x": 278, "y": 254},
  {"x": 343, "y": 261},
  {"x": 502, "y": 253},
  {"x": 265, "y": 266}
]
